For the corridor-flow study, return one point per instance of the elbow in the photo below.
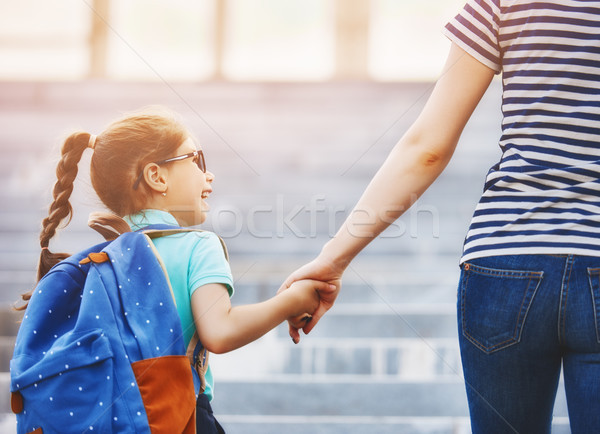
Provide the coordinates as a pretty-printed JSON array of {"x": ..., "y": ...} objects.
[
  {"x": 217, "y": 344},
  {"x": 425, "y": 153},
  {"x": 216, "y": 347},
  {"x": 218, "y": 350},
  {"x": 429, "y": 158},
  {"x": 427, "y": 147}
]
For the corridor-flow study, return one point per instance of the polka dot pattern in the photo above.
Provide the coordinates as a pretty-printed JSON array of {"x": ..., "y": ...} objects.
[{"x": 72, "y": 349}]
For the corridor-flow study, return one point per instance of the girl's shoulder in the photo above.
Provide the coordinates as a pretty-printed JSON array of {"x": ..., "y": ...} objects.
[
  {"x": 211, "y": 240},
  {"x": 198, "y": 240},
  {"x": 201, "y": 235},
  {"x": 192, "y": 235}
]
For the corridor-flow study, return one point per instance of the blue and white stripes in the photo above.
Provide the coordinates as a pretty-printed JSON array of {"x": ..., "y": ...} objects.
[{"x": 544, "y": 194}]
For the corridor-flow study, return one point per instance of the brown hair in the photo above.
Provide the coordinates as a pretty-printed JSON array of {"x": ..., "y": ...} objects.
[{"x": 120, "y": 153}]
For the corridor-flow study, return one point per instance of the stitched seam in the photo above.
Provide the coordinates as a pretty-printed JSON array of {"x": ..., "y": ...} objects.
[
  {"x": 518, "y": 324},
  {"x": 505, "y": 273},
  {"x": 594, "y": 274},
  {"x": 462, "y": 303},
  {"x": 564, "y": 322},
  {"x": 564, "y": 291},
  {"x": 492, "y": 348},
  {"x": 521, "y": 318}
]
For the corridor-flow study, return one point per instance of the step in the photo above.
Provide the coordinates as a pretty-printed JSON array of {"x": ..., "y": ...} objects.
[
  {"x": 366, "y": 320},
  {"x": 9, "y": 321},
  {"x": 382, "y": 291},
  {"x": 396, "y": 277},
  {"x": 4, "y": 393},
  {"x": 7, "y": 423},
  {"x": 289, "y": 240},
  {"x": 7, "y": 346},
  {"x": 273, "y": 399},
  {"x": 72, "y": 96},
  {"x": 376, "y": 261},
  {"x": 335, "y": 425},
  {"x": 395, "y": 358},
  {"x": 234, "y": 424},
  {"x": 334, "y": 403},
  {"x": 388, "y": 321},
  {"x": 399, "y": 280},
  {"x": 346, "y": 397},
  {"x": 340, "y": 397},
  {"x": 406, "y": 347},
  {"x": 257, "y": 277}
]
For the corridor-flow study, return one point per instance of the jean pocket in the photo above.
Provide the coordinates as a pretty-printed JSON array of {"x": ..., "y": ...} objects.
[
  {"x": 594, "y": 278},
  {"x": 494, "y": 304}
]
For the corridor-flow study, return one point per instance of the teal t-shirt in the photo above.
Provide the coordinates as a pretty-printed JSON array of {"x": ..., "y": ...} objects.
[{"x": 192, "y": 259}]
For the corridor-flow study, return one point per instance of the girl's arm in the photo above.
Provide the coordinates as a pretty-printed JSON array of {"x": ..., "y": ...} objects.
[
  {"x": 223, "y": 328},
  {"x": 412, "y": 166}
]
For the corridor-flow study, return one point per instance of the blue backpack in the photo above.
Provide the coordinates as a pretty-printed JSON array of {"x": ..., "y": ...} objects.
[{"x": 101, "y": 347}]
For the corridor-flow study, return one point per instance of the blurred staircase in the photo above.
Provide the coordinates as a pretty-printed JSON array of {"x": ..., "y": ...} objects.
[{"x": 290, "y": 161}]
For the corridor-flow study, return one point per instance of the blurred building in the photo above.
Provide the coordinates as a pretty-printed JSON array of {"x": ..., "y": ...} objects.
[{"x": 241, "y": 40}]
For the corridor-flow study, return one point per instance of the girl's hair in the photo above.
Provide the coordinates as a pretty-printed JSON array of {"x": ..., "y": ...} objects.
[{"x": 120, "y": 153}]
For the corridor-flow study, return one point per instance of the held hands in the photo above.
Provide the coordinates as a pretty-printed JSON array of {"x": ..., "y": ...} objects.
[
  {"x": 306, "y": 294},
  {"x": 323, "y": 271}
]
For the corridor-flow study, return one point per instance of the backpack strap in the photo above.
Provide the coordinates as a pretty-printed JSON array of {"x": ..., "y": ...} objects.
[
  {"x": 196, "y": 352},
  {"x": 157, "y": 231},
  {"x": 198, "y": 356}
]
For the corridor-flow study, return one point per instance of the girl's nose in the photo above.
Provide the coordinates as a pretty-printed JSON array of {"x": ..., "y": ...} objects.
[{"x": 210, "y": 177}]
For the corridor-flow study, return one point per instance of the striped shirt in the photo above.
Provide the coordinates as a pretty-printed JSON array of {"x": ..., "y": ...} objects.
[{"x": 543, "y": 196}]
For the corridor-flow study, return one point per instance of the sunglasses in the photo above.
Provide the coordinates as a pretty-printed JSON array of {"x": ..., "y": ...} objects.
[{"x": 198, "y": 159}]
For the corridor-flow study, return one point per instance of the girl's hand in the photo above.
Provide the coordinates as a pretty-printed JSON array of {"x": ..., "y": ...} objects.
[
  {"x": 320, "y": 269},
  {"x": 300, "y": 320},
  {"x": 307, "y": 299}
]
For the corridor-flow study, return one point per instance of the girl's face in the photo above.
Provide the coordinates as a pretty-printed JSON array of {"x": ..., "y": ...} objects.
[{"x": 188, "y": 188}]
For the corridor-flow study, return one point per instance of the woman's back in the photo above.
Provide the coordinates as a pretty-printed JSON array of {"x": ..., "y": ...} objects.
[{"x": 542, "y": 197}]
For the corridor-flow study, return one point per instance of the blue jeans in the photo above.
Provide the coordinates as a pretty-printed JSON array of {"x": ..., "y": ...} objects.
[
  {"x": 205, "y": 419},
  {"x": 520, "y": 317}
]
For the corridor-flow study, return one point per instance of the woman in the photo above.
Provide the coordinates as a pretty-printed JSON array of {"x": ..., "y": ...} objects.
[{"x": 530, "y": 278}]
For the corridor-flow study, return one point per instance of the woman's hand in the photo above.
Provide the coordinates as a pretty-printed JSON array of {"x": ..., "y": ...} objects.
[
  {"x": 308, "y": 294},
  {"x": 322, "y": 270}
]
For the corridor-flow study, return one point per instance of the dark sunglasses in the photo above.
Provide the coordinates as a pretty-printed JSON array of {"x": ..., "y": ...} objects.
[{"x": 198, "y": 159}]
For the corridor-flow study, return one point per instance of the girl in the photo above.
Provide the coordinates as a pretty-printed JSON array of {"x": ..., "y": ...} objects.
[
  {"x": 147, "y": 169},
  {"x": 530, "y": 283}
]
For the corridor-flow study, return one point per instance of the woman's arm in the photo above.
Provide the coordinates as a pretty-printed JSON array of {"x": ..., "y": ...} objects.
[
  {"x": 417, "y": 159},
  {"x": 223, "y": 328},
  {"x": 415, "y": 162}
]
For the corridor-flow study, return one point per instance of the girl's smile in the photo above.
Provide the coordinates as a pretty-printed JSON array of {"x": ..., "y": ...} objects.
[{"x": 187, "y": 186}]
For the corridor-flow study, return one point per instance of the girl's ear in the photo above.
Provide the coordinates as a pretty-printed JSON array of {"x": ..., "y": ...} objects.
[{"x": 155, "y": 177}]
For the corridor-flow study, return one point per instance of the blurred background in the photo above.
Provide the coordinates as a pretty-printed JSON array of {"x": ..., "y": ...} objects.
[
  {"x": 296, "y": 104},
  {"x": 239, "y": 40}
]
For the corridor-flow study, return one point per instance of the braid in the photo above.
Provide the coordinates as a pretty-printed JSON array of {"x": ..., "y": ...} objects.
[
  {"x": 120, "y": 152},
  {"x": 60, "y": 208}
]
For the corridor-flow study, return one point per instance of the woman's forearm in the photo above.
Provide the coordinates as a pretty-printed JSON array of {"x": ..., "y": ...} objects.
[
  {"x": 416, "y": 160},
  {"x": 406, "y": 174}
]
